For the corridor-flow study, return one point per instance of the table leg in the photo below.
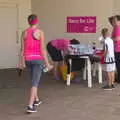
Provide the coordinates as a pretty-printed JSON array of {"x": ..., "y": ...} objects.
[
  {"x": 85, "y": 71},
  {"x": 100, "y": 72},
  {"x": 69, "y": 74},
  {"x": 94, "y": 69},
  {"x": 89, "y": 72}
]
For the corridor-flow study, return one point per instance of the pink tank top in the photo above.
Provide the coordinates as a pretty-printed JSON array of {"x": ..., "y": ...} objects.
[
  {"x": 32, "y": 47},
  {"x": 116, "y": 33},
  {"x": 60, "y": 44}
]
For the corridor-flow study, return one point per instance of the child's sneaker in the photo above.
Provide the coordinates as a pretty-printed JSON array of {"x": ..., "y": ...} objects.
[
  {"x": 107, "y": 87},
  {"x": 31, "y": 109},
  {"x": 37, "y": 103}
]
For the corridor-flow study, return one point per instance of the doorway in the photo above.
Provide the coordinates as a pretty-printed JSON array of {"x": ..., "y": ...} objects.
[{"x": 8, "y": 36}]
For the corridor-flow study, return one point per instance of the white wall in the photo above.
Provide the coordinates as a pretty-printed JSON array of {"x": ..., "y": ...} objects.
[
  {"x": 116, "y": 7},
  {"x": 22, "y": 9},
  {"x": 53, "y": 13}
]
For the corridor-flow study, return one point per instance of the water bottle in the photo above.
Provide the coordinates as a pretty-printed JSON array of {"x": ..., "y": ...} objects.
[
  {"x": 45, "y": 69},
  {"x": 94, "y": 47}
]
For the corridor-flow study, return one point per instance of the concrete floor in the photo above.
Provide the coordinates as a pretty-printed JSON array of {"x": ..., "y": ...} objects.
[{"x": 77, "y": 102}]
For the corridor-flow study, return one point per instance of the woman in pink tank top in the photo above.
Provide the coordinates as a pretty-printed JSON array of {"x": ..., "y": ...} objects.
[
  {"x": 116, "y": 38},
  {"x": 35, "y": 57},
  {"x": 57, "y": 49}
]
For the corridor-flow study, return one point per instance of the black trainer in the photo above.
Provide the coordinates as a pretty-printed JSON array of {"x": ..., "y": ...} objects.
[
  {"x": 37, "y": 103},
  {"x": 113, "y": 87},
  {"x": 31, "y": 109},
  {"x": 107, "y": 87}
]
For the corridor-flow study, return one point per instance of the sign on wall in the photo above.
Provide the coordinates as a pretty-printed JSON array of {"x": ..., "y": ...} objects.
[{"x": 84, "y": 24}]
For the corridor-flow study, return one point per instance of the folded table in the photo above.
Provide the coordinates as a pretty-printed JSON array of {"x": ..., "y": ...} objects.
[{"x": 87, "y": 74}]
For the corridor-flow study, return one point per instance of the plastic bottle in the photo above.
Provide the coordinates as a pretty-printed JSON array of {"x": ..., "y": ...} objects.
[
  {"x": 94, "y": 47},
  {"x": 45, "y": 69}
]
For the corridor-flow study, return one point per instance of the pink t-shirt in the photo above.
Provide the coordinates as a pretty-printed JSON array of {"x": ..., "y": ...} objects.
[
  {"x": 116, "y": 33},
  {"x": 60, "y": 44},
  {"x": 32, "y": 47}
]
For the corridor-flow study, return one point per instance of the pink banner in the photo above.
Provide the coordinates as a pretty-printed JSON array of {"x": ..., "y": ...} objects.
[{"x": 85, "y": 24}]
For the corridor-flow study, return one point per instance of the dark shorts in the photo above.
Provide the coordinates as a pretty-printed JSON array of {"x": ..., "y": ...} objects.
[
  {"x": 35, "y": 69},
  {"x": 54, "y": 53}
]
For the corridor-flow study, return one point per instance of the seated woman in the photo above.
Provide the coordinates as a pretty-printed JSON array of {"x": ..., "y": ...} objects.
[{"x": 57, "y": 49}]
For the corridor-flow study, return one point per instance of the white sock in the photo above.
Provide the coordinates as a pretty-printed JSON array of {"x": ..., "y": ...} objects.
[
  {"x": 37, "y": 100},
  {"x": 31, "y": 106}
]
